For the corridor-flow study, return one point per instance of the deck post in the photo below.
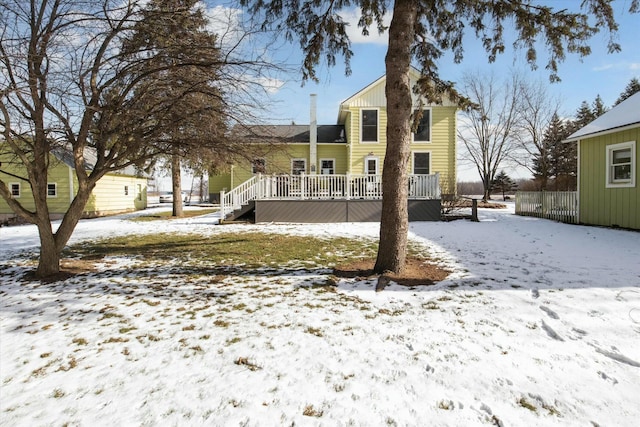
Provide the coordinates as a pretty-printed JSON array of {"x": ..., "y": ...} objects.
[
  {"x": 222, "y": 208},
  {"x": 303, "y": 185},
  {"x": 347, "y": 186}
]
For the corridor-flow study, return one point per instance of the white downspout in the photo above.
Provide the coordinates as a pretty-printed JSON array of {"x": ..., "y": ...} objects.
[{"x": 313, "y": 137}]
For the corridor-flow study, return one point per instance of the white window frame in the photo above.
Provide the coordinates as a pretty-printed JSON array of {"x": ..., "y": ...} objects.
[
  {"x": 377, "y": 141},
  {"x": 413, "y": 161},
  {"x": 366, "y": 165},
  {"x": 18, "y": 186},
  {"x": 609, "y": 175},
  {"x": 254, "y": 169},
  {"x": 328, "y": 160},
  {"x": 299, "y": 160},
  {"x": 413, "y": 135},
  {"x": 53, "y": 185}
]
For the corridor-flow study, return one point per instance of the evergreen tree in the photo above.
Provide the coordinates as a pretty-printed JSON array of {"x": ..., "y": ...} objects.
[
  {"x": 584, "y": 116},
  {"x": 598, "y": 107},
  {"x": 632, "y": 88},
  {"x": 503, "y": 183},
  {"x": 183, "y": 98},
  {"x": 562, "y": 155}
]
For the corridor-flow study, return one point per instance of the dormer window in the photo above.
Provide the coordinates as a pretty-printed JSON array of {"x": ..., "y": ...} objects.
[{"x": 369, "y": 131}]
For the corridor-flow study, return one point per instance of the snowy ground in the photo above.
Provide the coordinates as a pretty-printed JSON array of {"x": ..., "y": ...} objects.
[{"x": 539, "y": 324}]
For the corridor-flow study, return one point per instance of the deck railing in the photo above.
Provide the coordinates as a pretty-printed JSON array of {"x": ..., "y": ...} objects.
[
  {"x": 319, "y": 187},
  {"x": 556, "y": 205}
]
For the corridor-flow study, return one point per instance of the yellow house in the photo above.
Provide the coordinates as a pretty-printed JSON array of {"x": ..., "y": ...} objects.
[
  {"x": 114, "y": 193},
  {"x": 341, "y": 162}
]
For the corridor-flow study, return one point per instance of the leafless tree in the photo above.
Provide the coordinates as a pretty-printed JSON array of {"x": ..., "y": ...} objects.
[
  {"x": 536, "y": 109},
  {"x": 67, "y": 83},
  {"x": 488, "y": 129}
]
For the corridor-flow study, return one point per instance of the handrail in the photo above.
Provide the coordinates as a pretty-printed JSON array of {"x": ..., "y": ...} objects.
[{"x": 318, "y": 187}]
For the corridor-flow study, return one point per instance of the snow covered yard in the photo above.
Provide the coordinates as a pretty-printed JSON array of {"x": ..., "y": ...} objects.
[{"x": 538, "y": 324}]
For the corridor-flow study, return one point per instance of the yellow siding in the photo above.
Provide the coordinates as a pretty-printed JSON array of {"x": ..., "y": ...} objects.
[
  {"x": 58, "y": 174},
  {"x": 351, "y": 158},
  {"x": 278, "y": 161},
  {"x": 108, "y": 196},
  {"x": 338, "y": 152}
]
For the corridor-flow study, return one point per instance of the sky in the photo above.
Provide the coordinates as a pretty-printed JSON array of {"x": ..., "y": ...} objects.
[
  {"x": 582, "y": 79},
  {"x": 537, "y": 324}
]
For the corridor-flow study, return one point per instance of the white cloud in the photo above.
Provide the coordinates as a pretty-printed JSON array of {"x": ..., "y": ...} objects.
[
  {"x": 624, "y": 65},
  {"x": 355, "y": 33}
]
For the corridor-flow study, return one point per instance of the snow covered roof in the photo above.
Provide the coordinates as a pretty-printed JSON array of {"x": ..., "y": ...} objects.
[{"x": 622, "y": 116}]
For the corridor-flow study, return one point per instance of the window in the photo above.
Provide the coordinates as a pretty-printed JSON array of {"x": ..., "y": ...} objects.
[
  {"x": 52, "y": 189},
  {"x": 327, "y": 166},
  {"x": 421, "y": 163},
  {"x": 369, "y": 126},
  {"x": 371, "y": 165},
  {"x": 126, "y": 190},
  {"x": 423, "y": 132},
  {"x": 298, "y": 166},
  {"x": 15, "y": 190},
  {"x": 621, "y": 167},
  {"x": 259, "y": 165}
]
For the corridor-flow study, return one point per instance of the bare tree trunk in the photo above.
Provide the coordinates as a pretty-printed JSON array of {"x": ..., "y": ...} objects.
[
  {"x": 176, "y": 184},
  {"x": 394, "y": 223}
]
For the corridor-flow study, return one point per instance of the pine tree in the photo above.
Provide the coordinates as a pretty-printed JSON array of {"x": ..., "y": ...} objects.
[
  {"x": 562, "y": 155},
  {"x": 182, "y": 97},
  {"x": 584, "y": 116},
  {"x": 503, "y": 183},
  {"x": 598, "y": 107},
  {"x": 632, "y": 87}
]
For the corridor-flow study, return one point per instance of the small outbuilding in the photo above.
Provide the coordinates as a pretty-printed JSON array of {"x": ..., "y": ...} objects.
[{"x": 608, "y": 158}]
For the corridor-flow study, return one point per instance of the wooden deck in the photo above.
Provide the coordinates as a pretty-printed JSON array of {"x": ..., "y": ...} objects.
[{"x": 327, "y": 198}]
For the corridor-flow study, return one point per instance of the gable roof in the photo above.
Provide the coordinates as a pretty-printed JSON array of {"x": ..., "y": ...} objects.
[
  {"x": 374, "y": 95},
  {"x": 327, "y": 134},
  {"x": 625, "y": 115},
  {"x": 65, "y": 154}
]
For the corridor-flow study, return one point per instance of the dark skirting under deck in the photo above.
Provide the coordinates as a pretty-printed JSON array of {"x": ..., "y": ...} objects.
[{"x": 327, "y": 211}]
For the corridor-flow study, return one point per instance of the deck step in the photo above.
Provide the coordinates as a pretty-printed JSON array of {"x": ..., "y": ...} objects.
[{"x": 243, "y": 210}]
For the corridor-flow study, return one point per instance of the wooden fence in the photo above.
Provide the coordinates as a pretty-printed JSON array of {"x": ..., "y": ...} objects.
[{"x": 556, "y": 205}]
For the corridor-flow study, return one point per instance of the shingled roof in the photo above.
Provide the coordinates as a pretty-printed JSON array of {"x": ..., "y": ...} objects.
[{"x": 327, "y": 134}]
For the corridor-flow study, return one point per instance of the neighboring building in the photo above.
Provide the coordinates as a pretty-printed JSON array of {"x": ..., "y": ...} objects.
[
  {"x": 608, "y": 158},
  {"x": 114, "y": 193},
  {"x": 353, "y": 149}
]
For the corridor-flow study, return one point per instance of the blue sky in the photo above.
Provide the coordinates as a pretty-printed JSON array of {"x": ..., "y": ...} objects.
[{"x": 582, "y": 79}]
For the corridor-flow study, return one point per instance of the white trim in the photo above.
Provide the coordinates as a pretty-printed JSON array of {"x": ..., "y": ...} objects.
[
  {"x": 55, "y": 189},
  {"x": 603, "y": 132},
  {"x": 299, "y": 160},
  {"x": 610, "y": 183},
  {"x": 578, "y": 180},
  {"x": 413, "y": 160},
  {"x": 430, "y": 140},
  {"x": 327, "y": 160},
  {"x": 366, "y": 164},
  {"x": 362, "y": 110}
]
